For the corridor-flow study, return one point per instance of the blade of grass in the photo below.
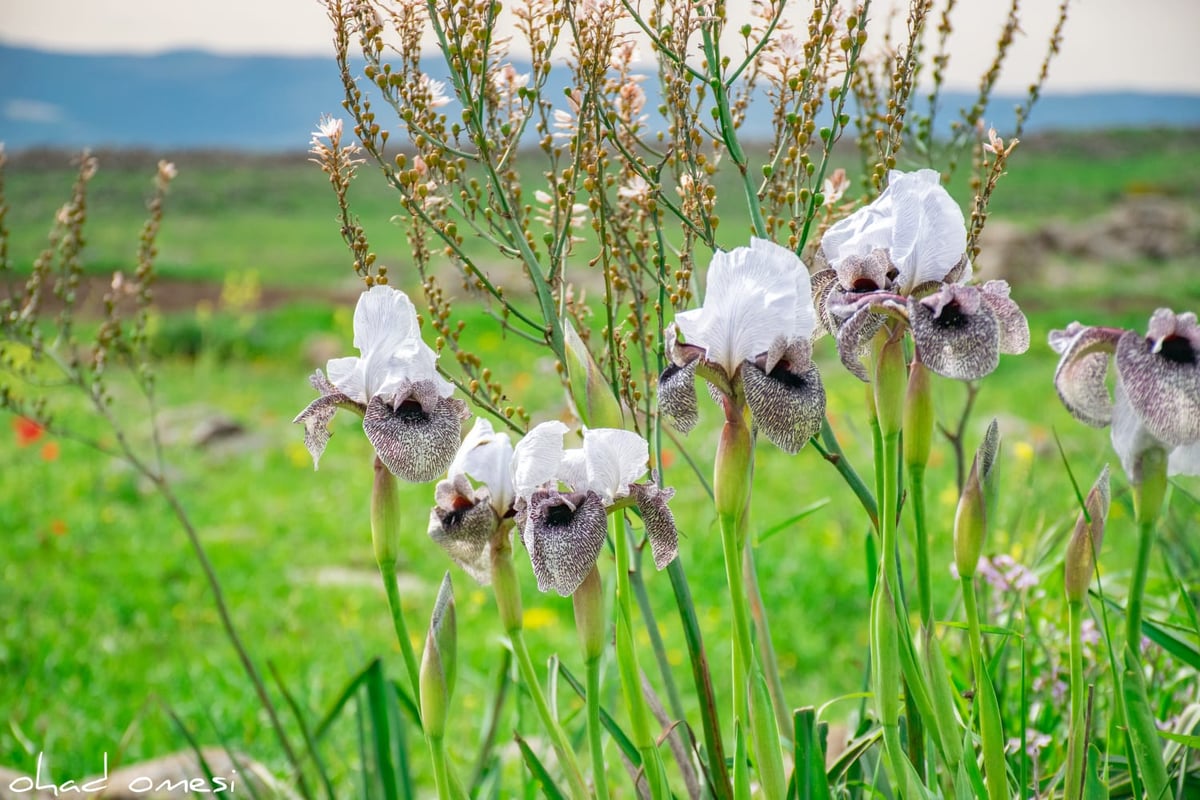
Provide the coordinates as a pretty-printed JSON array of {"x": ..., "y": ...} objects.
[{"x": 540, "y": 774}]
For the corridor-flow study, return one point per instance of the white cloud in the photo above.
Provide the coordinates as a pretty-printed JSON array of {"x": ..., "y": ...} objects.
[{"x": 21, "y": 109}]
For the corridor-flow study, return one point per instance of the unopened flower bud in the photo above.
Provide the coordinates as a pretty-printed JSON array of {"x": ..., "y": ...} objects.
[
  {"x": 438, "y": 664},
  {"x": 506, "y": 589},
  {"x": 589, "y": 392},
  {"x": 918, "y": 417},
  {"x": 1084, "y": 543},
  {"x": 731, "y": 473},
  {"x": 589, "y": 615},
  {"x": 970, "y": 521},
  {"x": 889, "y": 382}
]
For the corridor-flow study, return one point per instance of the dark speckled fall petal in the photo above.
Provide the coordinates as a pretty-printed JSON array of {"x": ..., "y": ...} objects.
[
  {"x": 563, "y": 534},
  {"x": 1081, "y": 375},
  {"x": 1161, "y": 376},
  {"x": 319, "y": 414},
  {"x": 659, "y": 521},
  {"x": 788, "y": 403},
  {"x": 415, "y": 443},
  {"x": 463, "y": 525},
  {"x": 677, "y": 395},
  {"x": 955, "y": 333}
]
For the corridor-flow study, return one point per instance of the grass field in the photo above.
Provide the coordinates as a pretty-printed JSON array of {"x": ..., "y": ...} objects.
[{"x": 106, "y": 623}]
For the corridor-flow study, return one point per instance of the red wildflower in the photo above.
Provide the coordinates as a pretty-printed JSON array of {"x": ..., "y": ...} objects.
[{"x": 27, "y": 431}]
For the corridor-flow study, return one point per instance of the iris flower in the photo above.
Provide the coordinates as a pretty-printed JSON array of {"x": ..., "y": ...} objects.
[
  {"x": 564, "y": 497},
  {"x": 474, "y": 499},
  {"x": 1155, "y": 401},
  {"x": 904, "y": 256},
  {"x": 751, "y": 341},
  {"x": 408, "y": 414}
]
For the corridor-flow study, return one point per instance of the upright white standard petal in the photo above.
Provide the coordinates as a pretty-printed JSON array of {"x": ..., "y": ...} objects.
[
  {"x": 537, "y": 458},
  {"x": 914, "y": 220},
  {"x": 392, "y": 353},
  {"x": 615, "y": 458},
  {"x": 755, "y": 295},
  {"x": 485, "y": 457}
]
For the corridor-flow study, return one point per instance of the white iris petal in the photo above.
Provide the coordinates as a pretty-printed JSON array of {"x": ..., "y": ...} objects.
[
  {"x": 486, "y": 456},
  {"x": 537, "y": 458},
  {"x": 615, "y": 458},
  {"x": 915, "y": 220},
  {"x": 392, "y": 353},
  {"x": 754, "y": 296}
]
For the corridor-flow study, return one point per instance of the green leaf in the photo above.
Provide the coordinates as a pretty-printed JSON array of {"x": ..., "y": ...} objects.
[
  {"x": 614, "y": 730},
  {"x": 779, "y": 527},
  {"x": 1156, "y": 633},
  {"x": 1189, "y": 741},
  {"x": 808, "y": 779},
  {"x": 549, "y": 789},
  {"x": 1093, "y": 786}
]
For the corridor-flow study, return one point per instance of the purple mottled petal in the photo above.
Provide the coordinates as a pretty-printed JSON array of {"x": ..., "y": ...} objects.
[
  {"x": 659, "y": 521},
  {"x": 677, "y": 395},
  {"x": 852, "y": 339},
  {"x": 1014, "y": 328},
  {"x": 414, "y": 444},
  {"x": 317, "y": 417},
  {"x": 564, "y": 535},
  {"x": 867, "y": 273},
  {"x": 1163, "y": 386},
  {"x": 1081, "y": 375},
  {"x": 955, "y": 333},
  {"x": 464, "y": 529},
  {"x": 822, "y": 283},
  {"x": 788, "y": 403}
]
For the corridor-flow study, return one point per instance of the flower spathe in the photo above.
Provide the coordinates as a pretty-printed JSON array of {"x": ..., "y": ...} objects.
[
  {"x": 1156, "y": 397},
  {"x": 563, "y": 497},
  {"x": 904, "y": 256},
  {"x": 408, "y": 414},
  {"x": 474, "y": 499},
  {"x": 750, "y": 339}
]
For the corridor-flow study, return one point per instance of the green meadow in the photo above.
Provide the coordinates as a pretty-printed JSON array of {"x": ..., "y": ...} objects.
[{"x": 108, "y": 630}]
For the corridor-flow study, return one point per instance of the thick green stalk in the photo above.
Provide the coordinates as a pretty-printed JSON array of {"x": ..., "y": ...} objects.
[
  {"x": 595, "y": 731},
  {"x": 508, "y": 600},
  {"x": 592, "y": 626},
  {"x": 702, "y": 680},
  {"x": 391, "y": 585},
  {"x": 1077, "y": 745},
  {"x": 990, "y": 729},
  {"x": 631, "y": 678},
  {"x": 916, "y": 481},
  {"x": 441, "y": 775},
  {"x": 1147, "y": 498}
]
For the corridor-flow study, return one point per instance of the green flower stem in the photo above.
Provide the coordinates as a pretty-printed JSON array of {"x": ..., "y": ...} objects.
[
  {"x": 385, "y": 542},
  {"x": 766, "y": 647},
  {"x": 441, "y": 775},
  {"x": 751, "y": 701},
  {"x": 391, "y": 584},
  {"x": 702, "y": 680},
  {"x": 990, "y": 729},
  {"x": 592, "y": 625},
  {"x": 916, "y": 481},
  {"x": 508, "y": 599},
  {"x": 1148, "y": 499},
  {"x": 631, "y": 680},
  {"x": 1078, "y": 740},
  {"x": 595, "y": 732}
]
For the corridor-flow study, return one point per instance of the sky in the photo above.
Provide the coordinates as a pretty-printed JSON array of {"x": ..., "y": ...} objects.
[{"x": 1109, "y": 44}]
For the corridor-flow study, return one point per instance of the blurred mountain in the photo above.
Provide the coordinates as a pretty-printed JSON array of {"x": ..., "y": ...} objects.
[{"x": 193, "y": 99}]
